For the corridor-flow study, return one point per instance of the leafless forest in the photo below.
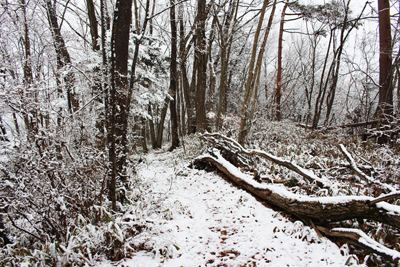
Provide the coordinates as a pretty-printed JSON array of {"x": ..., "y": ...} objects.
[{"x": 300, "y": 94}]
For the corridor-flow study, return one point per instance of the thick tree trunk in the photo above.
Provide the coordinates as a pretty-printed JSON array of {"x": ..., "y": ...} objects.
[
  {"x": 173, "y": 79},
  {"x": 385, "y": 105},
  {"x": 201, "y": 56},
  {"x": 385, "y": 59},
  {"x": 118, "y": 97},
  {"x": 187, "y": 95}
]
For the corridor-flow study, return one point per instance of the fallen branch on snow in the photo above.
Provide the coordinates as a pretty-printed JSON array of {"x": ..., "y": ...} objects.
[
  {"x": 359, "y": 238},
  {"x": 361, "y": 174},
  {"x": 237, "y": 148}
]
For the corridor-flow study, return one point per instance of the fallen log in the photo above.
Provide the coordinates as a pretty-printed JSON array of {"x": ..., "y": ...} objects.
[{"x": 317, "y": 209}]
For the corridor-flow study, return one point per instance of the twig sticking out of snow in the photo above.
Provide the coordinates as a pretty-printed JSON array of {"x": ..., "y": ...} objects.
[{"x": 361, "y": 174}]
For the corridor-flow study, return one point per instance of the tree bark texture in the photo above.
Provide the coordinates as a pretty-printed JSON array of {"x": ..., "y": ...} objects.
[
  {"x": 201, "y": 56},
  {"x": 31, "y": 118},
  {"x": 225, "y": 31},
  {"x": 173, "y": 79},
  {"x": 93, "y": 25},
  {"x": 187, "y": 95},
  {"x": 385, "y": 106},
  {"x": 118, "y": 93}
]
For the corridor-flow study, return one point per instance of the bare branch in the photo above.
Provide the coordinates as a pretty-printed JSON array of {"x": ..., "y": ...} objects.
[{"x": 361, "y": 174}]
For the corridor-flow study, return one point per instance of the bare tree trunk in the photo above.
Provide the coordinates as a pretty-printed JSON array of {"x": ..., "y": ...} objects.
[
  {"x": 173, "y": 79},
  {"x": 226, "y": 38},
  {"x": 93, "y": 24},
  {"x": 3, "y": 131},
  {"x": 322, "y": 86},
  {"x": 152, "y": 131},
  {"x": 31, "y": 117},
  {"x": 187, "y": 95},
  {"x": 63, "y": 57},
  {"x": 201, "y": 55},
  {"x": 160, "y": 129},
  {"x": 144, "y": 140},
  {"x": 252, "y": 73},
  {"x": 338, "y": 55},
  {"x": 118, "y": 97},
  {"x": 210, "y": 63},
  {"x": 256, "y": 77},
  {"x": 102, "y": 124},
  {"x": 385, "y": 105},
  {"x": 137, "y": 19},
  {"x": 192, "y": 91},
  {"x": 181, "y": 108},
  {"x": 278, "y": 92}
]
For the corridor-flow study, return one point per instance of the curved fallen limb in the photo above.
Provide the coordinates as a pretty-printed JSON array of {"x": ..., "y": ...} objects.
[
  {"x": 359, "y": 238},
  {"x": 237, "y": 148},
  {"x": 361, "y": 174}
]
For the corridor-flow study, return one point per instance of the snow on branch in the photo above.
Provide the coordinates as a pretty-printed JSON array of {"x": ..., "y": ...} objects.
[
  {"x": 320, "y": 212},
  {"x": 361, "y": 174},
  {"x": 336, "y": 208},
  {"x": 361, "y": 239},
  {"x": 307, "y": 174}
]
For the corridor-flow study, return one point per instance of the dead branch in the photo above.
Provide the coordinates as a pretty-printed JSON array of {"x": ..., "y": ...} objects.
[
  {"x": 359, "y": 238},
  {"x": 362, "y": 175},
  {"x": 235, "y": 147},
  {"x": 395, "y": 195}
]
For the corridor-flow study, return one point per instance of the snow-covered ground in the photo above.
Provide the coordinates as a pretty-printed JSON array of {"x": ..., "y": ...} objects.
[{"x": 221, "y": 225}]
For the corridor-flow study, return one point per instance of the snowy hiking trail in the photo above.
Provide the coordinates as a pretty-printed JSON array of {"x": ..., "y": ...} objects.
[{"x": 221, "y": 225}]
